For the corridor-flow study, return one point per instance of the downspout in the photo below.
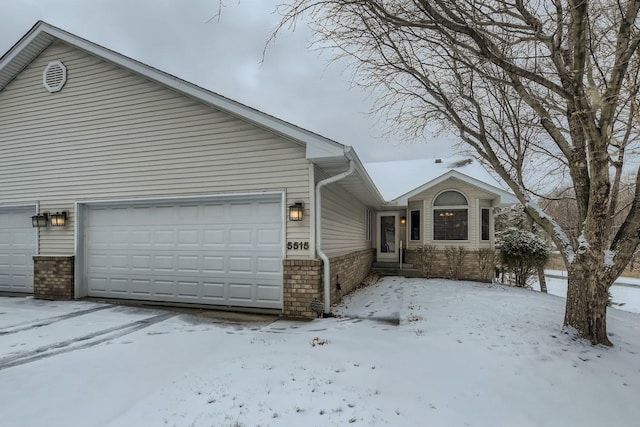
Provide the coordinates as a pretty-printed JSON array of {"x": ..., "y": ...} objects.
[{"x": 321, "y": 254}]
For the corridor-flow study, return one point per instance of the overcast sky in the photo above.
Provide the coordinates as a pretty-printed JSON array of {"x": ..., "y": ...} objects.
[{"x": 224, "y": 55}]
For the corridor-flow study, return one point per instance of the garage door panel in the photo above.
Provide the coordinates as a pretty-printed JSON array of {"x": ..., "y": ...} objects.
[
  {"x": 163, "y": 264},
  {"x": 140, "y": 287},
  {"x": 119, "y": 262},
  {"x": 213, "y": 264},
  {"x": 239, "y": 236},
  {"x": 142, "y": 238},
  {"x": 188, "y": 211},
  {"x": 98, "y": 285},
  {"x": 164, "y": 237},
  {"x": 188, "y": 289},
  {"x": 214, "y": 238},
  {"x": 17, "y": 248},
  {"x": 21, "y": 238},
  {"x": 189, "y": 239},
  {"x": 240, "y": 264},
  {"x": 268, "y": 237},
  {"x": 240, "y": 291},
  {"x": 269, "y": 265},
  {"x": 214, "y": 291},
  {"x": 162, "y": 288},
  {"x": 268, "y": 293},
  {"x": 119, "y": 286},
  {"x": 141, "y": 263},
  {"x": 268, "y": 210},
  {"x": 209, "y": 252},
  {"x": 213, "y": 210},
  {"x": 188, "y": 264}
]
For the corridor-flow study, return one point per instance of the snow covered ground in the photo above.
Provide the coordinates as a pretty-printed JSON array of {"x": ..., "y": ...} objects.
[
  {"x": 403, "y": 352},
  {"x": 625, "y": 293}
]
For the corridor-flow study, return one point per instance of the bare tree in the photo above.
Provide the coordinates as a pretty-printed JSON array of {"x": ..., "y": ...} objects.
[{"x": 544, "y": 91}]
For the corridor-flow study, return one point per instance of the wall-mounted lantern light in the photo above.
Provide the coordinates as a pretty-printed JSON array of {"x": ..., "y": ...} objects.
[
  {"x": 403, "y": 220},
  {"x": 40, "y": 220},
  {"x": 296, "y": 211},
  {"x": 58, "y": 219}
]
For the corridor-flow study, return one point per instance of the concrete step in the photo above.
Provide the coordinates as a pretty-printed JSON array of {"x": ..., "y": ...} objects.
[
  {"x": 394, "y": 264},
  {"x": 406, "y": 272}
]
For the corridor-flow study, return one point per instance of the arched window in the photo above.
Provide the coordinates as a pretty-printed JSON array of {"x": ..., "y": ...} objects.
[{"x": 451, "y": 216}]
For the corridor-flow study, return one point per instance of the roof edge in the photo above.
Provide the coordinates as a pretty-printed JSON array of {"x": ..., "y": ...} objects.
[
  {"x": 503, "y": 194},
  {"x": 206, "y": 96}
]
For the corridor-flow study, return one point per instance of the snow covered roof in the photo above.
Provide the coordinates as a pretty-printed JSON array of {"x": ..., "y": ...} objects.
[{"x": 397, "y": 180}]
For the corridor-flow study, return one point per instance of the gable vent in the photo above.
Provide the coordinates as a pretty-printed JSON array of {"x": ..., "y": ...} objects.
[{"x": 54, "y": 76}]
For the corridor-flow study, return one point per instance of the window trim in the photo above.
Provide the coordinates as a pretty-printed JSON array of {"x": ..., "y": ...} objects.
[
  {"x": 435, "y": 208},
  {"x": 488, "y": 239},
  {"x": 411, "y": 211}
]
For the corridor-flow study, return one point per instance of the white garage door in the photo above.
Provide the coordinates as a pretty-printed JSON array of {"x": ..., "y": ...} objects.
[
  {"x": 222, "y": 252},
  {"x": 17, "y": 248}
]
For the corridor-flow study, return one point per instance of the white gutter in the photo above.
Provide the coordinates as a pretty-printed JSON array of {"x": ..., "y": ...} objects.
[{"x": 321, "y": 254}]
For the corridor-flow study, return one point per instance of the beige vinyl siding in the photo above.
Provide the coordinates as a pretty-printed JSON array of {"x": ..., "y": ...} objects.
[
  {"x": 343, "y": 220},
  {"x": 111, "y": 134},
  {"x": 473, "y": 195}
]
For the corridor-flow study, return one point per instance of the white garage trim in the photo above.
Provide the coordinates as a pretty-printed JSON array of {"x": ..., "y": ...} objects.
[
  {"x": 176, "y": 270},
  {"x": 23, "y": 281}
]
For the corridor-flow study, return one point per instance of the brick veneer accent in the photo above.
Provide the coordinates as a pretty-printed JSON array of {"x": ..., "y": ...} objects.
[
  {"x": 440, "y": 267},
  {"x": 53, "y": 277},
  {"x": 303, "y": 281},
  {"x": 349, "y": 270}
]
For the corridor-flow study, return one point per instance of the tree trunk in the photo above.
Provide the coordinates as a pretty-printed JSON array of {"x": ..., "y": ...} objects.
[
  {"x": 542, "y": 280},
  {"x": 586, "y": 309}
]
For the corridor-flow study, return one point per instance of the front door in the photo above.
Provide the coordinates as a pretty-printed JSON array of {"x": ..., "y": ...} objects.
[{"x": 387, "y": 237}]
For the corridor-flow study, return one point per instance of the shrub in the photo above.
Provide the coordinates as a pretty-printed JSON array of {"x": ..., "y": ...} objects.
[
  {"x": 427, "y": 253},
  {"x": 521, "y": 253},
  {"x": 455, "y": 258},
  {"x": 486, "y": 263}
]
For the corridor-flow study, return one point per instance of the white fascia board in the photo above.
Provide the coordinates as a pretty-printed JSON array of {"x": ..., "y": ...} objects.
[
  {"x": 350, "y": 153},
  {"x": 323, "y": 151},
  {"x": 505, "y": 197},
  {"x": 18, "y": 47}
]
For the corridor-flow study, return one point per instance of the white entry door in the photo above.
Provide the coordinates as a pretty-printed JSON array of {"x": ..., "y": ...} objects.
[
  {"x": 387, "y": 236},
  {"x": 220, "y": 252},
  {"x": 18, "y": 241}
]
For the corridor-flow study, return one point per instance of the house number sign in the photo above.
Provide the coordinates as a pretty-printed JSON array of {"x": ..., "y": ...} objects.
[{"x": 298, "y": 246}]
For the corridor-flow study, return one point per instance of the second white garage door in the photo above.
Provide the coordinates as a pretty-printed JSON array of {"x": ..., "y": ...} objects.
[
  {"x": 17, "y": 248},
  {"x": 221, "y": 252}
]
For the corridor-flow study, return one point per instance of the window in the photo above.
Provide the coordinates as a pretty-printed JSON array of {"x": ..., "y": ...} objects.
[
  {"x": 485, "y": 224},
  {"x": 367, "y": 224},
  {"x": 414, "y": 225},
  {"x": 450, "y": 216}
]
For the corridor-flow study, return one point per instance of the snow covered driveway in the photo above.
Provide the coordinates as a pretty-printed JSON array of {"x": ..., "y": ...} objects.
[{"x": 403, "y": 352}]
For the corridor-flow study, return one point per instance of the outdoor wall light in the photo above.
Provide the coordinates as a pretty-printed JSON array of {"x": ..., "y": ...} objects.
[
  {"x": 58, "y": 219},
  {"x": 296, "y": 211},
  {"x": 403, "y": 220},
  {"x": 40, "y": 220}
]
